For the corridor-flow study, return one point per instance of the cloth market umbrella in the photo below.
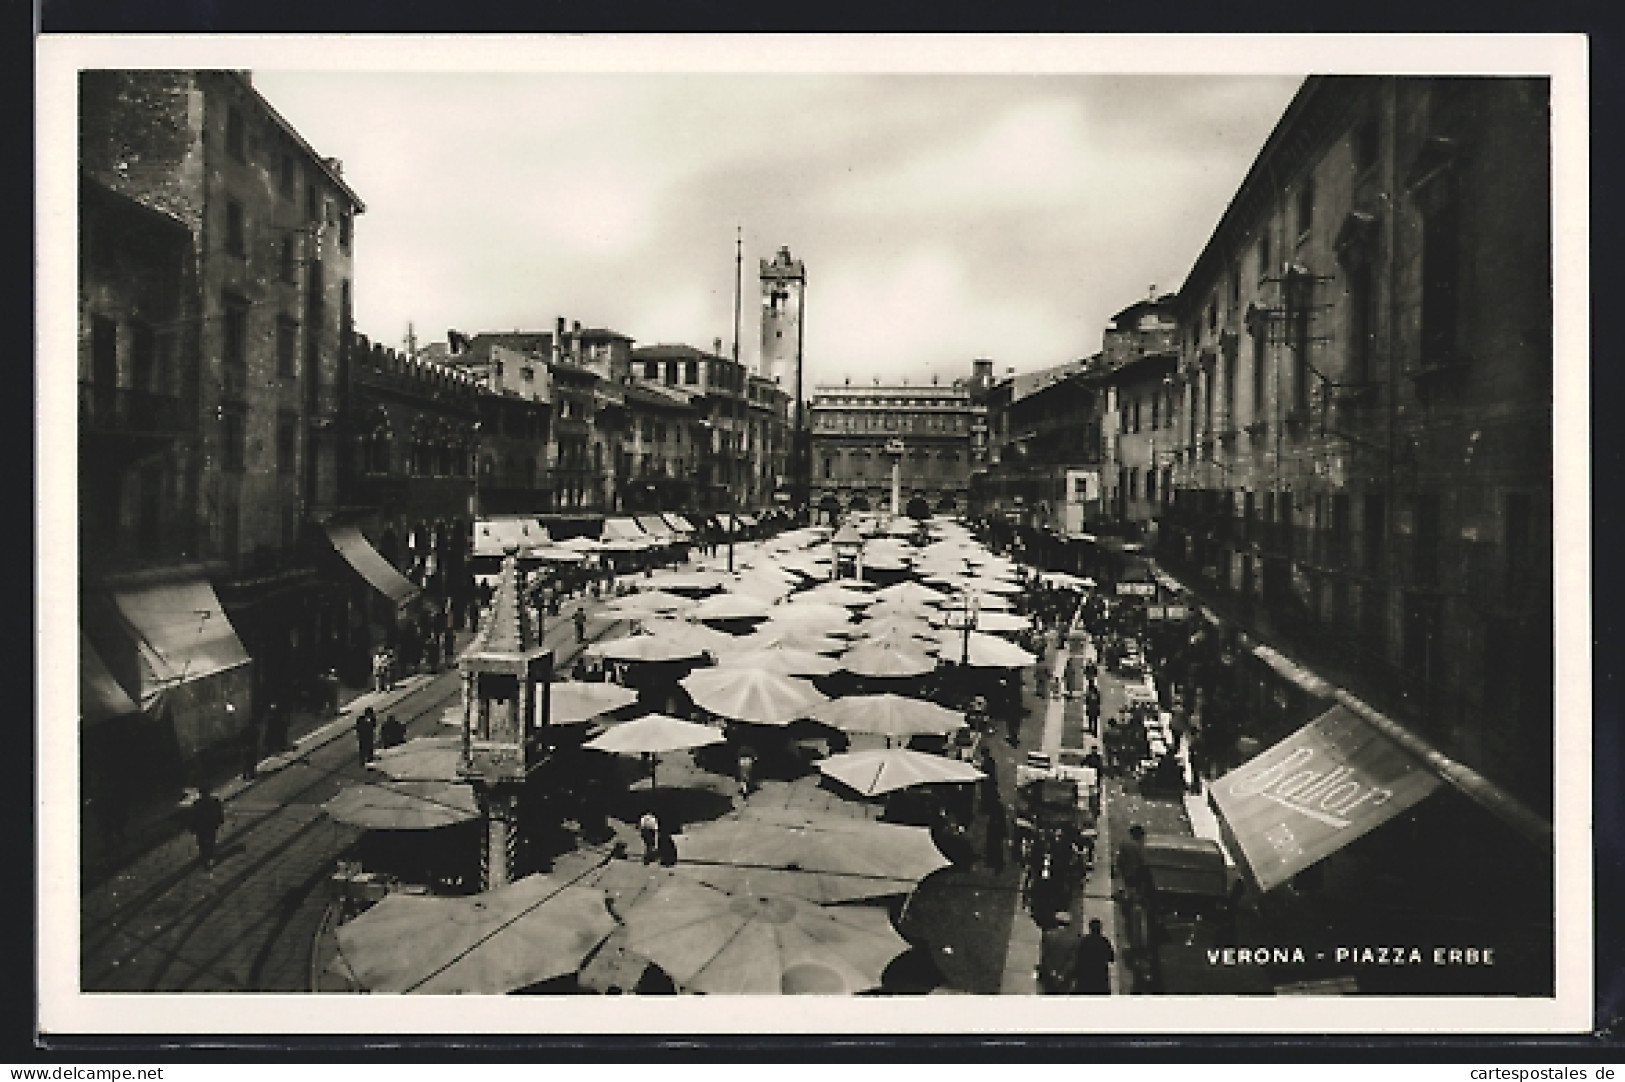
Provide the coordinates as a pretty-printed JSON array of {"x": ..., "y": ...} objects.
[
  {"x": 911, "y": 593},
  {"x": 730, "y": 607},
  {"x": 650, "y": 648},
  {"x": 875, "y": 659},
  {"x": 424, "y": 758},
  {"x": 766, "y": 587},
  {"x": 716, "y": 943},
  {"x": 889, "y": 715},
  {"x": 898, "y": 638},
  {"x": 404, "y": 805},
  {"x": 985, "y": 651},
  {"x": 685, "y": 631},
  {"x": 583, "y": 544},
  {"x": 812, "y": 619},
  {"x": 753, "y": 695},
  {"x": 809, "y": 609},
  {"x": 984, "y": 601},
  {"x": 790, "y": 638},
  {"x": 690, "y": 582},
  {"x": 833, "y": 593},
  {"x": 652, "y": 603},
  {"x": 571, "y": 701},
  {"x": 896, "y": 625},
  {"x": 985, "y": 584},
  {"x": 886, "y": 770},
  {"x": 822, "y": 859},
  {"x": 533, "y": 930},
  {"x": 652, "y": 735},
  {"x": 780, "y": 659}
]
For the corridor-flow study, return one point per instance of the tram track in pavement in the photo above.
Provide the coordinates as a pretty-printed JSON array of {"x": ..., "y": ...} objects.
[{"x": 194, "y": 914}]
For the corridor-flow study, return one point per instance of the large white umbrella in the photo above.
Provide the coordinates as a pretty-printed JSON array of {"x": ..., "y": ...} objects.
[
  {"x": 896, "y": 624},
  {"x": 404, "y": 805},
  {"x": 986, "y": 651},
  {"x": 911, "y": 593},
  {"x": 989, "y": 585},
  {"x": 819, "y": 619},
  {"x": 650, "y": 648},
  {"x": 730, "y": 607},
  {"x": 822, "y": 858},
  {"x": 889, "y": 769},
  {"x": 780, "y": 659},
  {"x": 897, "y": 638},
  {"x": 424, "y": 758},
  {"x": 684, "y": 631},
  {"x": 753, "y": 695},
  {"x": 487, "y": 944},
  {"x": 649, "y": 603},
  {"x": 696, "y": 582},
  {"x": 833, "y": 593},
  {"x": 572, "y": 701},
  {"x": 889, "y": 715},
  {"x": 653, "y": 734},
  {"x": 583, "y": 544},
  {"x": 885, "y": 659},
  {"x": 765, "y": 587},
  {"x": 716, "y": 943},
  {"x": 790, "y": 638}
]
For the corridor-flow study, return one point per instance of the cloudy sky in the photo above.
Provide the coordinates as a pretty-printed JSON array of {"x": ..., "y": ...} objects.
[{"x": 941, "y": 217}]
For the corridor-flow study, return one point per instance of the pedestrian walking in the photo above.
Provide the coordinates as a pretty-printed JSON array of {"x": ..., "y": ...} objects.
[
  {"x": 1092, "y": 973},
  {"x": 448, "y": 643},
  {"x": 649, "y": 829},
  {"x": 1013, "y": 728},
  {"x": 366, "y": 730},
  {"x": 580, "y": 620},
  {"x": 1058, "y": 951},
  {"x": 207, "y": 816},
  {"x": 276, "y": 728},
  {"x": 747, "y": 770},
  {"x": 998, "y": 830},
  {"x": 380, "y": 670},
  {"x": 251, "y": 748}
]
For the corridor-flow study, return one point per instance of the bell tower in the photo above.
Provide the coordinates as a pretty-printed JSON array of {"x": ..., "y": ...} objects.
[{"x": 784, "y": 295}]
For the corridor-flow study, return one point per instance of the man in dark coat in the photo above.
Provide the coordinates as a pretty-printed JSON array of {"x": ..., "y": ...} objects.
[
  {"x": 1058, "y": 956},
  {"x": 207, "y": 816},
  {"x": 366, "y": 731},
  {"x": 1094, "y": 960},
  {"x": 580, "y": 619}
]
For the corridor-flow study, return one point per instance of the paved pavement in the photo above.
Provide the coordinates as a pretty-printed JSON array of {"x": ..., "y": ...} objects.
[{"x": 164, "y": 923}]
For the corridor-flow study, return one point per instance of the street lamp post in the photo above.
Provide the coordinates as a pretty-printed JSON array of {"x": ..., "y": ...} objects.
[{"x": 964, "y": 620}]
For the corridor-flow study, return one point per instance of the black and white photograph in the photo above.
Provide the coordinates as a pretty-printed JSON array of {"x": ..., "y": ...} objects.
[{"x": 1086, "y": 525}]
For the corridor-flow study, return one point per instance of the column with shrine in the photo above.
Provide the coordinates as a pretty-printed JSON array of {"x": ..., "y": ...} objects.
[{"x": 505, "y": 675}]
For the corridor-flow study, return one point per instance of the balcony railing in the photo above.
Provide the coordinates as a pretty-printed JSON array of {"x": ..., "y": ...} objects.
[{"x": 131, "y": 412}]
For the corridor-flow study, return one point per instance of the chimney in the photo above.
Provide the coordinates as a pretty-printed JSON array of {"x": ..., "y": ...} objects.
[
  {"x": 982, "y": 372},
  {"x": 716, "y": 346}
]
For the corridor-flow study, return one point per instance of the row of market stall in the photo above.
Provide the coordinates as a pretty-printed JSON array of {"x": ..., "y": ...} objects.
[{"x": 761, "y": 900}]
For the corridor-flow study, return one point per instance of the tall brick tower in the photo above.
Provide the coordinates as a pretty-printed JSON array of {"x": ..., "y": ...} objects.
[{"x": 784, "y": 296}]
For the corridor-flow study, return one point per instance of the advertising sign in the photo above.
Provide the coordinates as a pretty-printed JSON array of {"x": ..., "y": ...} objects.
[
  {"x": 1314, "y": 792},
  {"x": 1136, "y": 589},
  {"x": 1082, "y": 486}
]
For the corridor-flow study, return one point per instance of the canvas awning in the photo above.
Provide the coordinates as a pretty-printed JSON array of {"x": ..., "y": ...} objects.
[
  {"x": 358, "y": 552},
  {"x": 1327, "y": 784},
  {"x": 1293, "y": 672},
  {"x": 181, "y": 633},
  {"x": 494, "y": 536},
  {"x": 101, "y": 698},
  {"x": 679, "y": 524},
  {"x": 655, "y": 527},
  {"x": 622, "y": 529},
  {"x": 747, "y": 521}
]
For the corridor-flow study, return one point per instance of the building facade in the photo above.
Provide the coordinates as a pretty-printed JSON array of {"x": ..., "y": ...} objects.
[
  {"x": 858, "y": 433},
  {"x": 1364, "y": 397},
  {"x": 228, "y": 329}
]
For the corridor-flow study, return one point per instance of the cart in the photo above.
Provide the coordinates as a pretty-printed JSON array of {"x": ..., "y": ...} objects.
[{"x": 1185, "y": 886}]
